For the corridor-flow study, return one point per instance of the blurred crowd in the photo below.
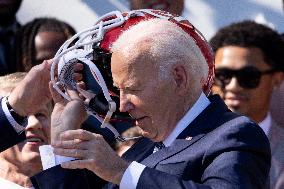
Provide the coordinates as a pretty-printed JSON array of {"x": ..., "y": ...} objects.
[{"x": 249, "y": 73}]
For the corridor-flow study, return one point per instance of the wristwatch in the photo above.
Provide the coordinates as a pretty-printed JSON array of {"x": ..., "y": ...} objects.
[{"x": 21, "y": 120}]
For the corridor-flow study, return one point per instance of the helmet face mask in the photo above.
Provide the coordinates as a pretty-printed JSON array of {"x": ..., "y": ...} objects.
[{"x": 92, "y": 47}]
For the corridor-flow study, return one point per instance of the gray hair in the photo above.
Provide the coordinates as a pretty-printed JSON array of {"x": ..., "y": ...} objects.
[{"x": 169, "y": 45}]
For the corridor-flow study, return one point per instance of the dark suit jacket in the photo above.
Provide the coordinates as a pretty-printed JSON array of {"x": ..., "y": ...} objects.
[
  {"x": 219, "y": 149},
  {"x": 8, "y": 135}
]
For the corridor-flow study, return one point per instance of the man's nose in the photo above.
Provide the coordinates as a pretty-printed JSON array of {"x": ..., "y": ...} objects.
[
  {"x": 125, "y": 103},
  {"x": 233, "y": 84},
  {"x": 33, "y": 123}
]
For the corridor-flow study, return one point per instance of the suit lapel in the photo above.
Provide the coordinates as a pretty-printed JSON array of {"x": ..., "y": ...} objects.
[
  {"x": 204, "y": 123},
  {"x": 179, "y": 144}
]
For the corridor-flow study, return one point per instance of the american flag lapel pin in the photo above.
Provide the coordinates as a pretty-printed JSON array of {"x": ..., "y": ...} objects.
[{"x": 188, "y": 138}]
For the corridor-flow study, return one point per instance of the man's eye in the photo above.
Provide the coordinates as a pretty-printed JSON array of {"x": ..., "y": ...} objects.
[
  {"x": 134, "y": 90},
  {"x": 40, "y": 115}
]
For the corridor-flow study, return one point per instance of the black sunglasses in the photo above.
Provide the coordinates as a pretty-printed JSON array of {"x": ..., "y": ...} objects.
[{"x": 247, "y": 77}]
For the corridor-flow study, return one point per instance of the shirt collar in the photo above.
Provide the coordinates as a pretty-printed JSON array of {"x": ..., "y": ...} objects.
[
  {"x": 266, "y": 124},
  {"x": 193, "y": 112}
]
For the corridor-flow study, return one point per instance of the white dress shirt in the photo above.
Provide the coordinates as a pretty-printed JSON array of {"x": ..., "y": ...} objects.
[
  {"x": 266, "y": 124},
  {"x": 19, "y": 128},
  {"x": 132, "y": 174},
  {"x": 6, "y": 184}
]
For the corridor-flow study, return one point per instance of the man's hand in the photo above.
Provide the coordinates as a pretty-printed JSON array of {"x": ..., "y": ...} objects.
[
  {"x": 33, "y": 91},
  {"x": 93, "y": 153},
  {"x": 66, "y": 115}
]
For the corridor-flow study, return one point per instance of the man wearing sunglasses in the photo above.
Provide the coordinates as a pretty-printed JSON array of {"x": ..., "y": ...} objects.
[{"x": 249, "y": 66}]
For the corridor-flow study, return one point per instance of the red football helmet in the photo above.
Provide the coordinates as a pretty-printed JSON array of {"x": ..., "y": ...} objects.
[{"x": 92, "y": 47}]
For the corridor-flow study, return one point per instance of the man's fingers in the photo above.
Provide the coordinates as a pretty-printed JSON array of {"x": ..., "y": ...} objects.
[
  {"x": 77, "y": 134},
  {"x": 81, "y": 85},
  {"x": 42, "y": 69},
  {"x": 48, "y": 64},
  {"x": 78, "y": 77},
  {"x": 78, "y": 67},
  {"x": 75, "y": 153},
  {"x": 76, "y": 164},
  {"x": 71, "y": 144},
  {"x": 86, "y": 94},
  {"x": 73, "y": 94},
  {"x": 55, "y": 95},
  {"x": 81, "y": 89}
]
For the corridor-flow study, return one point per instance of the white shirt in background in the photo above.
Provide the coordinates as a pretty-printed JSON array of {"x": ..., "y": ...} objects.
[
  {"x": 6, "y": 184},
  {"x": 266, "y": 124}
]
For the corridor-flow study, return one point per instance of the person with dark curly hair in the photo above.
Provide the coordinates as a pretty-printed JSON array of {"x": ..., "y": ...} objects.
[
  {"x": 39, "y": 40},
  {"x": 249, "y": 67}
]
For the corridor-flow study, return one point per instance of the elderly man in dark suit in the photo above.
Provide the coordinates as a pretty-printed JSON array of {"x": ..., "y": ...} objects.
[{"x": 191, "y": 140}]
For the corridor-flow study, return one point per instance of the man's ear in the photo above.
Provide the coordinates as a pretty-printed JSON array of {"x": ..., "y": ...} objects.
[{"x": 181, "y": 79}]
